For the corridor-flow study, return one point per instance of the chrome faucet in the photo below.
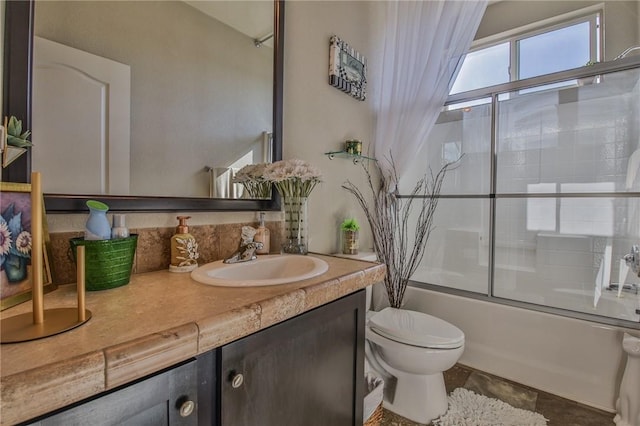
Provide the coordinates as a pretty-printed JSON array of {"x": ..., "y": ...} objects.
[
  {"x": 246, "y": 253},
  {"x": 632, "y": 259},
  {"x": 248, "y": 247}
]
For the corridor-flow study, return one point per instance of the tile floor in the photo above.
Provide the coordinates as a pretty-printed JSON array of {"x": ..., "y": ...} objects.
[{"x": 559, "y": 411}]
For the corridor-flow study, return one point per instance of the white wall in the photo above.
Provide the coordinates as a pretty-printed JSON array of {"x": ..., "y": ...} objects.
[{"x": 318, "y": 117}]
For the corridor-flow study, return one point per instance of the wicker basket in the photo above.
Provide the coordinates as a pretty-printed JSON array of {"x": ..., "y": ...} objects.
[
  {"x": 374, "y": 387},
  {"x": 376, "y": 418},
  {"x": 108, "y": 263}
]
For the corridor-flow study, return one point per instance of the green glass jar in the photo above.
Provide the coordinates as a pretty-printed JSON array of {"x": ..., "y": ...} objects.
[{"x": 353, "y": 147}]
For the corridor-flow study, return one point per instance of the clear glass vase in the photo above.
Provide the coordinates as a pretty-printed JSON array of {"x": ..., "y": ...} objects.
[{"x": 296, "y": 226}]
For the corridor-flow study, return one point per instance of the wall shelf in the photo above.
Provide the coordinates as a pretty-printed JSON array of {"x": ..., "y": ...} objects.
[{"x": 344, "y": 154}]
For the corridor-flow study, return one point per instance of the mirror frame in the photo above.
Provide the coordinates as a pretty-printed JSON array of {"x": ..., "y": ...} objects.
[{"x": 17, "y": 78}]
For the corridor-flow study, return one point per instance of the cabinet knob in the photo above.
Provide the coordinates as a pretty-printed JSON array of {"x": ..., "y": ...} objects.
[
  {"x": 187, "y": 408},
  {"x": 237, "y": 380}
]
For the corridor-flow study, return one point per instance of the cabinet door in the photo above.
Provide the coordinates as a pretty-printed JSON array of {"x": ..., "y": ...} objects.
[
  {"x": 207, "y": 389},
  {"x": 163, "y": 399},
  {"x": 306, "y": 371}
]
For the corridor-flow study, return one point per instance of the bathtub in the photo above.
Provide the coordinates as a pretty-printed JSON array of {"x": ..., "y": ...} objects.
[
  {"x": 575, "y": 359},
  {"x": 608, "y": 304}
]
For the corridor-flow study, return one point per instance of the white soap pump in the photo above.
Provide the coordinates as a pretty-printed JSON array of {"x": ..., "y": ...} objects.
[{"x": 263, "y": 235}]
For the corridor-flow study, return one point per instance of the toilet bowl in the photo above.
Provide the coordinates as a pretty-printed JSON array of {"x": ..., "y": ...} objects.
[{"x": 414, "y": 348}]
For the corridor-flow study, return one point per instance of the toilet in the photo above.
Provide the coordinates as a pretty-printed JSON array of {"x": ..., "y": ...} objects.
[{"x": 415, "y": 348}]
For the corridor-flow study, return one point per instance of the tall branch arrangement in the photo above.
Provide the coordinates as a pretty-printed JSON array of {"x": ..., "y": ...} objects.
[{"x": 397, "y": 244}]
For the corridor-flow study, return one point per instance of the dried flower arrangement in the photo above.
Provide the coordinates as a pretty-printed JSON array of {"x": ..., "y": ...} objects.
[{"x": 389, "y": 214}]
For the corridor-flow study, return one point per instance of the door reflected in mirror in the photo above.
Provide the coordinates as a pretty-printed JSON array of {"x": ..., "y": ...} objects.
[{"x": 151, "y": 98}]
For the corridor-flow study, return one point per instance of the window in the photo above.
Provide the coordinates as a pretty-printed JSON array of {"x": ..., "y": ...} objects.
[
  {"x": 483, "y": 68},
  {"x": 563, "y": 46}
]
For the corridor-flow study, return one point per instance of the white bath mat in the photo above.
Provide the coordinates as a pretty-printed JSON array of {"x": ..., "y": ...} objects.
[{"x": 467, "y": 408}]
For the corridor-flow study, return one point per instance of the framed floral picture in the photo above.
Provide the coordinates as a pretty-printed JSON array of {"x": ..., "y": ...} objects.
[
  {"x": 15, "y": 246},
  {"x": 347, "y": 69}
]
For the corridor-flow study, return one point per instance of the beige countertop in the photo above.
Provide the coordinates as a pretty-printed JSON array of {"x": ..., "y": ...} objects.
[{"x": 157, "y": 320}]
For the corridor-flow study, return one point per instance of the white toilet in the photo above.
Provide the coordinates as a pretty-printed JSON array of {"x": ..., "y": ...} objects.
[{"x": 416, "y": 349}]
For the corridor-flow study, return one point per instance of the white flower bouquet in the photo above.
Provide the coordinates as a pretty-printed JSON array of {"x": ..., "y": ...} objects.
[
  {"x": 292, "y": 178},
  {"x": 252, "y": 178}
]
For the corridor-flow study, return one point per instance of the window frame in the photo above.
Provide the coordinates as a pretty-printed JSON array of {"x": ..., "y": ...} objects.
[{"x": 593, "y": 15}]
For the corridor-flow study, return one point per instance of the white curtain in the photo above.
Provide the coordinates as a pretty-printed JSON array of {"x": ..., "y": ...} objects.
[{"x": 422, "y": 43}]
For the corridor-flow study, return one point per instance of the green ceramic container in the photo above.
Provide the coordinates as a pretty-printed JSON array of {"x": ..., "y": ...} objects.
[{"x": 108, "y": 263}]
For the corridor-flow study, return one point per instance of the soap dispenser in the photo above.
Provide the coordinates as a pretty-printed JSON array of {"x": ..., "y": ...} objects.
[
  {"x": 263, "y": 235},
  {"x": 119, "y": 229},
  {"x": 184, "y": 248}
]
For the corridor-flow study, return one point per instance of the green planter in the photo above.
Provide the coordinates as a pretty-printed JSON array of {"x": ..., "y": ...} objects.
[
  {"x": 108, "y": 263},
  {"x": 350, "y": 242}
]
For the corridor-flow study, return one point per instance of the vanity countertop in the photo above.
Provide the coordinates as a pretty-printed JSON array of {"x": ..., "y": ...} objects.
[{"x": 157, "y": 320}]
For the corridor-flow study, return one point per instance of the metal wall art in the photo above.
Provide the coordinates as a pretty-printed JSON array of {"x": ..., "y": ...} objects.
[{"x": 347, "y": 69}]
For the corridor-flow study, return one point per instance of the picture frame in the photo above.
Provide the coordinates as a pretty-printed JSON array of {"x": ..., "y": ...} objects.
[
  {"x": 15, "y": 246},
  {"x": 347, "y": 69}
]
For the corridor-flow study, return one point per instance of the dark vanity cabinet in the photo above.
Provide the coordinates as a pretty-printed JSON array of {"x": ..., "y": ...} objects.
[
  {"x": 307, "y": 371},
  {"x": 167, "y": 398}
]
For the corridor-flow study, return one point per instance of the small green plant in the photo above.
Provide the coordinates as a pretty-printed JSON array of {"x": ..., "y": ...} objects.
[
  {"x": 15, "y": 136},
  {"x": 350, "y": 225}
]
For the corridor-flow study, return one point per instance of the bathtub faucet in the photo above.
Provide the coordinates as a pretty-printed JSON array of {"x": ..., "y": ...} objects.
[{"x": 632, "y": 259}]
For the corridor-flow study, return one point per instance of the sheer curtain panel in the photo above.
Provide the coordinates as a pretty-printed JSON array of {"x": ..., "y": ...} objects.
[{"x": 422, "y": 43}]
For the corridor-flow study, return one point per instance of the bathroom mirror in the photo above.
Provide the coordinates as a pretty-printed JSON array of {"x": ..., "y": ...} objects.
[{"x": 219, "y": 124}]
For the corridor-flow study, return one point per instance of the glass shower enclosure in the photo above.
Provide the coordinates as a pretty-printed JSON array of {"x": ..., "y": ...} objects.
[{"x": 545, "y": 202}]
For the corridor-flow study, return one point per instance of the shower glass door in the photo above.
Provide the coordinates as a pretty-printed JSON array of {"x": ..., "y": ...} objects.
[
  {"x": 545, "y": 202},
  {"x": 567, "y": 206}
]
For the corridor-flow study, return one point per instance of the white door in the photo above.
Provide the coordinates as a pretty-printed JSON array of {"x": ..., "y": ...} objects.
[{"x": 81, "y": 121}]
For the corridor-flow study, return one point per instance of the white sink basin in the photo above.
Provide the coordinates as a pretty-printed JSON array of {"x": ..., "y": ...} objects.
[{"x": 265, "y": 270}]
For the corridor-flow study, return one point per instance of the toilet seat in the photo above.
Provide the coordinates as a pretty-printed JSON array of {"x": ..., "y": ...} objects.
[{"x": 416, "y": 328}]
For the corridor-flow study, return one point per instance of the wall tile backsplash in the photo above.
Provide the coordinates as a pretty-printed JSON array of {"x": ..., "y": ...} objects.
[{"x": 153, "y": 252}]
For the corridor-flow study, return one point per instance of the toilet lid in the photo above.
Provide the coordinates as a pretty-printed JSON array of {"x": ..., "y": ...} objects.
[{"x": 416, "y": 328}]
